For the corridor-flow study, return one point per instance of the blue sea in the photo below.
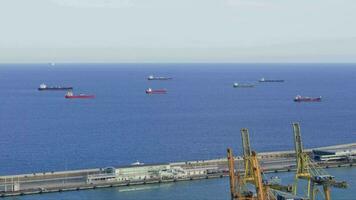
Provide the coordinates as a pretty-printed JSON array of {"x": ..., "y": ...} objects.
[{"x": 199, "y": 117}]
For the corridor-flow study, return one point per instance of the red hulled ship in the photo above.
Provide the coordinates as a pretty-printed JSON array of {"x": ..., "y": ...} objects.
[
  {"x": 70, "y": 95},
  {"x": 156, "y": 91}
]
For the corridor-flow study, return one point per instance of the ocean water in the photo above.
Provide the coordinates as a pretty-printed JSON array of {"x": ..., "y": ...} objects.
[{"x": 198, "y": 119}]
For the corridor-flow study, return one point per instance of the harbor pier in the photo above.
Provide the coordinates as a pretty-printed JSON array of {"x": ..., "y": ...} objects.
[{"x": 124, "y": 176}]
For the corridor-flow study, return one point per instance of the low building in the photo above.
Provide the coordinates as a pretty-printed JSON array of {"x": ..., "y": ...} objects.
[
  {"x": 328, "y": 155},
  {"x": 172, "y": 173},
  {"x": 101, "y": 178},
  {"x": 195, "y": 171},
  {"x": 105, "y": 175},
  {"x": 141, "y": 172}
]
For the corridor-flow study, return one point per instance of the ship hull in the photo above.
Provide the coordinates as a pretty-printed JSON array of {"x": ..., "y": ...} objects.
[
  {"x": 308, "y": 100},
  {"x": 158, "y": 78},
  {"x": 55, "y": 89},
  {"x": 156, "y": 92},
  {"x": 244, "y": 86},
  {"x": 271, "y": 81},
  {"x": 80, "y": 97}
]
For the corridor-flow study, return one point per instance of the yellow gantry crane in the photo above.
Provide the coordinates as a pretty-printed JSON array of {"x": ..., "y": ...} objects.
[
  {"x": 247, "y": 154},
  {"x": 302, "y": 159},
  {"x": 306, "y": 170},
  {"x": 237, "y": 184},
  {"x": 309, "y": 171},
  {"x": 252, "y": 174}
]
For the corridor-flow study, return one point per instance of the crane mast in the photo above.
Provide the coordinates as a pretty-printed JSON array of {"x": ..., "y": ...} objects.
[
  {"x": 310, "y": 171},
  {"x": 231, "y": 163},
  {"x": 307, "y": 170},
  {"x": 302, "y": 158},
  {"x": 247, "y": 154}
]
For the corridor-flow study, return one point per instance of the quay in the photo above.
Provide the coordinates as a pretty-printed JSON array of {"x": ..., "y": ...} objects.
[{"x": 123, "y": 176}]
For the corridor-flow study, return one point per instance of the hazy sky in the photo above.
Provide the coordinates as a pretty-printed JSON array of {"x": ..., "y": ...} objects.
[{"x": 178, "y": 31}]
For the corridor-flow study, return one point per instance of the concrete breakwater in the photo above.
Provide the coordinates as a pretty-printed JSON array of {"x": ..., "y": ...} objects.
[{"x": 45, "y": 182}]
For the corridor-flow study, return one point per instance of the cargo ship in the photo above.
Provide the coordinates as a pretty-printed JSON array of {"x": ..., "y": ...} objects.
[
  {"x": 263, "y": 80},
  {"x": 299, "y": 98},
  {"x": 239, "y": 85},
  {"x": 45, "y": 87},
  {"x": 156, "y": 91},
  {"x": 151, "y": 78},
  {"x": 70, "y": 95}
]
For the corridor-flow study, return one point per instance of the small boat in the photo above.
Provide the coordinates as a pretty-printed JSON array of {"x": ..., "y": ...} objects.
[
  {"x": 239, "y": 85},
  {"x": 70, "y": 95},
  {"x": 263, "y": 80},
  {"x": 299, "y": 98},
  {"x": 137, "y": 163},
  {"x": 274, "y": 180},
  {"x": 151, "y": 78},
  {"x": 156, "y": 91},
  {"x": 44, "y": 87}
]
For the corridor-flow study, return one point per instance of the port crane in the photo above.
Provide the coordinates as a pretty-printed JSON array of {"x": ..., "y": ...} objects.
[
  {"x": 253, "y": 174},
  {"x": 237, "y": 183},
  {"x": 311, "y": 172}
]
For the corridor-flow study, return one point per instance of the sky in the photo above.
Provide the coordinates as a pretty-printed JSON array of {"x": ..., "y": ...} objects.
[{"x": 177, "y": 31}]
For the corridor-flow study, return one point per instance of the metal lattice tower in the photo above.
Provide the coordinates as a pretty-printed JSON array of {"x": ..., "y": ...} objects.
[
  {"x": 252, "y": 175},
  {"x": 302, "y": 160},
  {"x": 310, "y": 171},
  {"x": 247, "y": 153}
]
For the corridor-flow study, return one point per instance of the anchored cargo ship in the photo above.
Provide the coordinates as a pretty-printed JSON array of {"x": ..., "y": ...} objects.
[
  {"x": 151, "y": 78},
  {"x": 262, "y": 80},
  {"x": 239, "y": 85},
  {"x": 70, "y": 95},
  {"x": 156, "y": 91},
  {"x": 299, "y": 98},
  {"x": 45, "y": 87}
]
